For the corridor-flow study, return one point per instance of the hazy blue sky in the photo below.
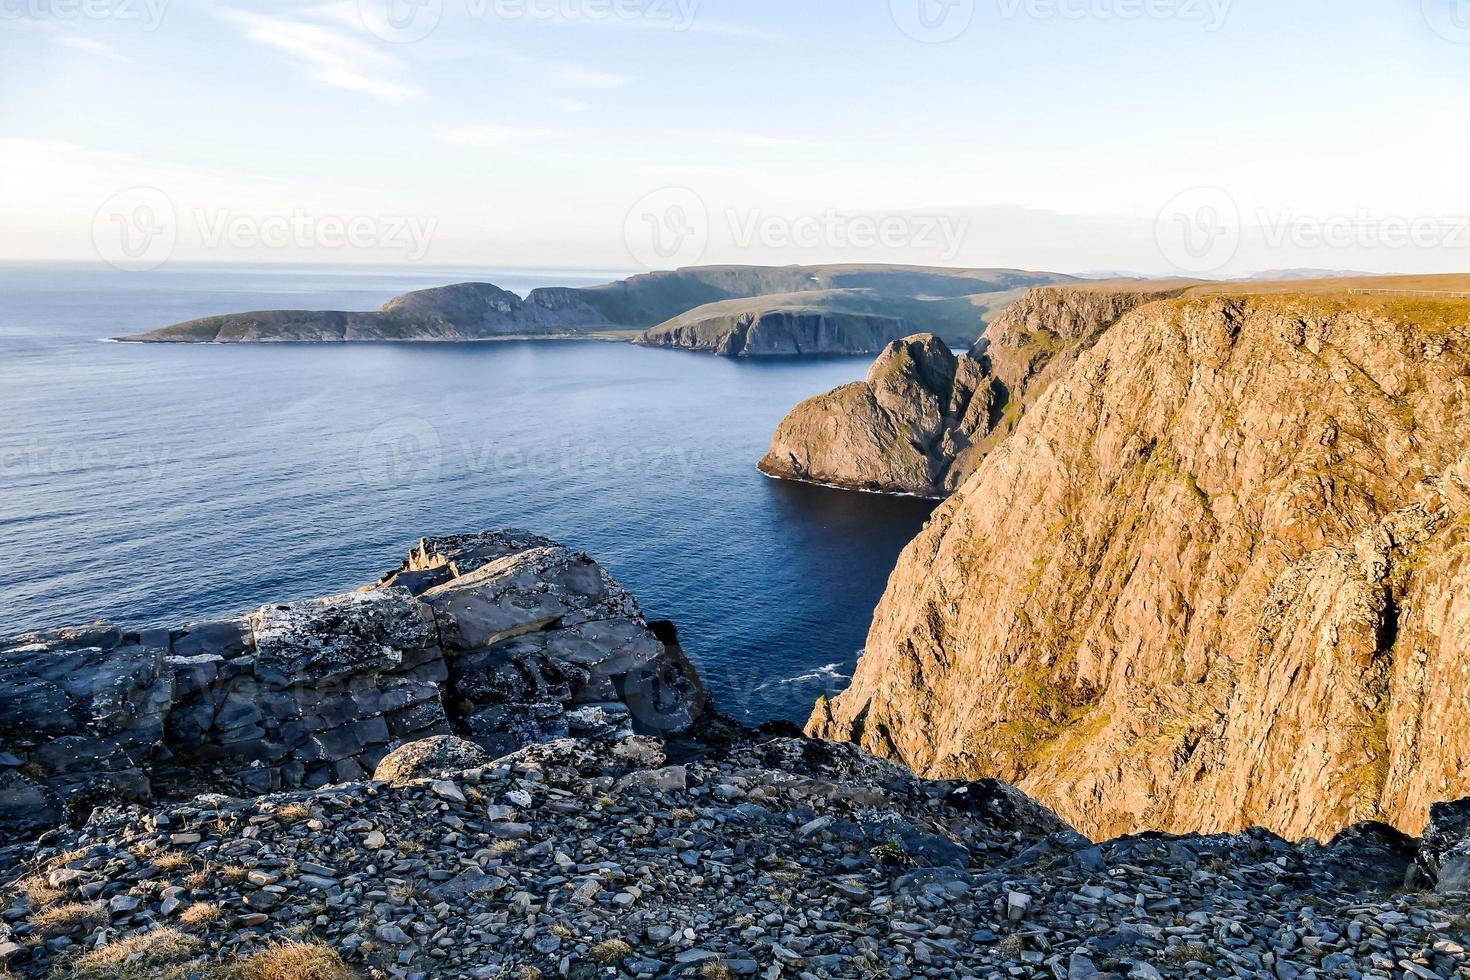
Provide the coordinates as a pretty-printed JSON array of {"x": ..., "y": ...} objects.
[{"x": 1219, "y": 136}]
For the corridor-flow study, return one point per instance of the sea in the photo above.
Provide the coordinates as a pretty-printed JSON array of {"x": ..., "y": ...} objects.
[{"x": 153, "y": 485}]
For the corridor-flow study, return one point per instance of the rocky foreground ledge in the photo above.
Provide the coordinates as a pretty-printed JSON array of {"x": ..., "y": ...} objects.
[
  {"x": 753, "y": 857},
  {"x": 490, "y": 765}
]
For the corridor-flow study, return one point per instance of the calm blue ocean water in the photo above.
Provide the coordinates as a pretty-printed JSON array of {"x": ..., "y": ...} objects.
[{"x": 151, "y": 485}]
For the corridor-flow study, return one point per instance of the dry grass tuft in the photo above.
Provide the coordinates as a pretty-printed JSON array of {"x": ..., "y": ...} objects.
[
  {"x": 611, "y": 952},
  {"x": 143, "y": 954},
  {"x": 293, "y": 813},
  {"x": 70, "y": 920},
  {"x": 200, "y": 915},
  {"x": 171, "y": 861},
  {"x": 37, "y": 891},
  {"x": 234, "y": 874},
  {"x": 715, "y": 970},
  {"x": 293, "y": 961}
]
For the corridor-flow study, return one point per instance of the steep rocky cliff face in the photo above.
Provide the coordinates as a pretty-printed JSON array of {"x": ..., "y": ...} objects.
[
  {"x": 747, "y": 331},
  {"x": 923, "y": 424},
  {"x": 1216, "y": 577},
  {"x": 898, "y": 431}
]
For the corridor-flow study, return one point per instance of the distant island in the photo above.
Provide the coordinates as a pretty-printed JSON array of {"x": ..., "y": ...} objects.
[{"x": 734, "y": 311}]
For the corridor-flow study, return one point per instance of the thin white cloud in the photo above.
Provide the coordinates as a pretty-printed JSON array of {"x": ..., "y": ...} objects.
[
  {"x": 496, "y": 136},
  {"x": 330, "y": 54},
  {"x": 90, "y": 46},
  {"x": 766, "y": 141},
  {"x": 54, "y": 31},
  {"x": 567, "y": 105},
  {"x": 579, "y": 76},
  {"x": 541, "y": 71}
]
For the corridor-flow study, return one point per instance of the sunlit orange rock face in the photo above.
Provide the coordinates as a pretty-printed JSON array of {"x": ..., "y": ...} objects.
[{"x": 1216, "y": 577}]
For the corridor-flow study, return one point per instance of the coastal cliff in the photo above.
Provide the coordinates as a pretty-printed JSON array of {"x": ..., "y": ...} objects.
[
  {"x": 852, "y": 302},
  {"x": 784, "y": 325},
  {"x": 1213, "y": 579},
  {"x": 924, "y": 419}
]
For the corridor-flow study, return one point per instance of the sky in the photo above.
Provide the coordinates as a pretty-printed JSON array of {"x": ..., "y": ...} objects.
[{"x": 1199, "y": 137}]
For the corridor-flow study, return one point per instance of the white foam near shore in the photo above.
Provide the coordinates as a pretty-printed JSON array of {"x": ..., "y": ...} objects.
[{"x": 827, "y": 672}]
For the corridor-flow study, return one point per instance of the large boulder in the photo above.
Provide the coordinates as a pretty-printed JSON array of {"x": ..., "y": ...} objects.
[
  {"x": 432, "y": 758},
  {"x": 535, "y": 634}
]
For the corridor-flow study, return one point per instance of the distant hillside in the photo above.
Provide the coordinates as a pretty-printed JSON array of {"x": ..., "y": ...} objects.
[{"x": 954, "y": 302}]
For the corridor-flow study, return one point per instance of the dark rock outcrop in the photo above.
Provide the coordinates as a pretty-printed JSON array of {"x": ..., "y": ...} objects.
[
  {"x": 899, "y": 431},
  {"x": 504, "y": 638}
]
